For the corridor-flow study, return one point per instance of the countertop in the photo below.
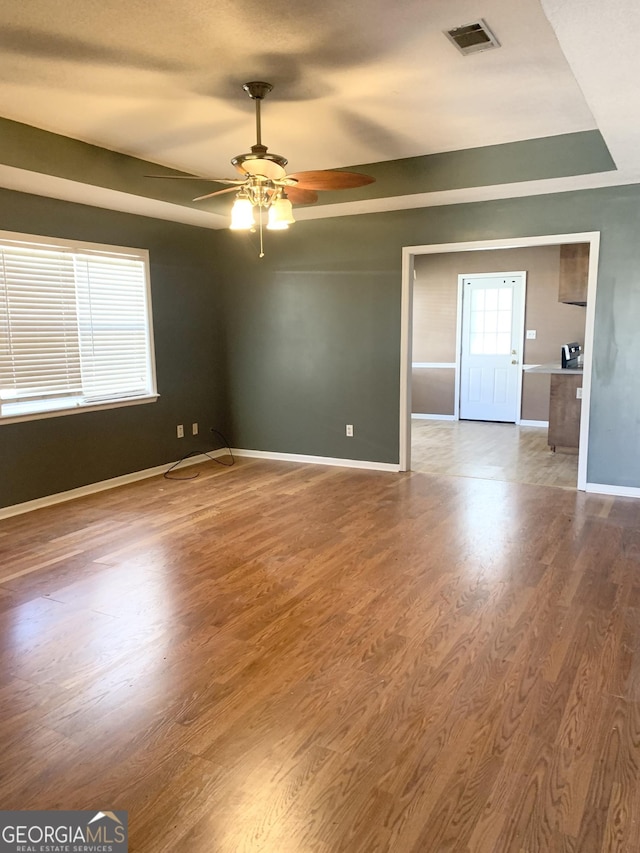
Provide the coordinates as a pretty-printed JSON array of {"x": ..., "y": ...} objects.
[{"x": 551, "y": 368}]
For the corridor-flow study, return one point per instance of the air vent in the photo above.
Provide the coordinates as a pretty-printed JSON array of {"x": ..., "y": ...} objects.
[{"x": 472, "y": 38}]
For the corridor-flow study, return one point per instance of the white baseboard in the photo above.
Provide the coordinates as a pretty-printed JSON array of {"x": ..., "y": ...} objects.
[
  {"x": 615, "y": 491},
  {"x": 421, "y": 417},
  {"x": 390, "y": 467},
  {"x": 103, "y": 485},
  {"x": 544, "y": 424}
]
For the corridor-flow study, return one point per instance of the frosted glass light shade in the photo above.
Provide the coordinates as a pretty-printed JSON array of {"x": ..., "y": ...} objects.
[
  {"x": 274, "y": 223},
  {"x": 280, "y": 215},
  {"x": 242, "y": 215}
]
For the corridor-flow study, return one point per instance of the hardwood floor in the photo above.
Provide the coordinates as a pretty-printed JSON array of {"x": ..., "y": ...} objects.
[
  {"x": 279, "y": 658},
  {"x": 491, "y": 451}
]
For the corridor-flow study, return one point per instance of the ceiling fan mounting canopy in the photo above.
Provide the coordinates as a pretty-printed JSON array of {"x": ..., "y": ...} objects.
[{"x": 257, "y": 89}]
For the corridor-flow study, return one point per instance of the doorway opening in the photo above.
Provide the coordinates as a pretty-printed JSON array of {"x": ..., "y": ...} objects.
[{"x": 438, "y": 376}]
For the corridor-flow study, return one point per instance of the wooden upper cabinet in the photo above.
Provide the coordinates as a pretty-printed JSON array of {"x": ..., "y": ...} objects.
[{"x": 574, "y": 273}]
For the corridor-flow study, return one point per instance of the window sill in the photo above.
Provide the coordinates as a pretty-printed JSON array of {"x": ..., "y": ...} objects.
[{"x": 75, "y": 410}]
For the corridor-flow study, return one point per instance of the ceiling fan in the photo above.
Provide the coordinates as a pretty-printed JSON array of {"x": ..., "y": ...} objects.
[{"x": 265, "y": 185}]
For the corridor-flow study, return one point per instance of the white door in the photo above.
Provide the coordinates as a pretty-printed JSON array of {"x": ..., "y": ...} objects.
[{"x": 491, "y": 351}]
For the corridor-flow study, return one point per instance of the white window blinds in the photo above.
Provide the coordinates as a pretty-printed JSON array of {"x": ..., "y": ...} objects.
[{"x": 74, "y": 326}]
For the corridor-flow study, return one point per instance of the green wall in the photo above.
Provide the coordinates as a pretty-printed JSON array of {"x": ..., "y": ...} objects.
[
  {"x": 52, "y": 455},
  {"x": 282, "y": 352},
  {"x": 314, "y": 327}
]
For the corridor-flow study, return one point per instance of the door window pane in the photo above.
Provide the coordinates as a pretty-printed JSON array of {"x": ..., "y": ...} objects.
[{"x": 490, "y": 321}]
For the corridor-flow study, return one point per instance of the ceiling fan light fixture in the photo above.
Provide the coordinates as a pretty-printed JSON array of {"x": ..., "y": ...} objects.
[
  {"x": 264, "y": 179},
  {"x": 242, "y": 218}
]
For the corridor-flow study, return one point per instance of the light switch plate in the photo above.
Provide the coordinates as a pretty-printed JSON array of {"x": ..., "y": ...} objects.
[{"x": 531, "y": 334}]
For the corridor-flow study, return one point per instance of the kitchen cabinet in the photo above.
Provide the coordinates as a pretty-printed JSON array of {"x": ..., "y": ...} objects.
[
  {"x": 564, "y": 410},
  {"x": 574, "y": 273}
]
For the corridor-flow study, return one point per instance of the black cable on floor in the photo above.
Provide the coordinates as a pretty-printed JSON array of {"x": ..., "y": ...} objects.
[{"x": 201, "y": 453}]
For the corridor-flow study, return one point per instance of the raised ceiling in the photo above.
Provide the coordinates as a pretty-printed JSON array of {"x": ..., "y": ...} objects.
[{"x": 365, "y": 82}]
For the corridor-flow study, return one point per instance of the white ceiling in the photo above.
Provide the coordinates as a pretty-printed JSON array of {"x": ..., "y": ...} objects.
[{"x": 354, "y": 82}]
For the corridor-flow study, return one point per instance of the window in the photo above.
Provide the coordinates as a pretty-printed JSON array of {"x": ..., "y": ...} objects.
[
  {"x": 491, "y": 319},
  {"x": 75, "y": 327}
]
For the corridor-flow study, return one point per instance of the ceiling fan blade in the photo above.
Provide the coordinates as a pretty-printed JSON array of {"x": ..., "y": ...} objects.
[
  {"x": 235, "y": 181},
  {"x": 217, "y": 192},
  {"x": 331, "y": 179},
  {"x": 297, "y": 195}
]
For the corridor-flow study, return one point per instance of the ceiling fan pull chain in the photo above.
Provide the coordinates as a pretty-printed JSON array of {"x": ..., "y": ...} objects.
[{"x": 261, "y": 255}]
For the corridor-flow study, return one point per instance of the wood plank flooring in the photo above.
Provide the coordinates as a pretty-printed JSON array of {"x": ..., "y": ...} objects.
[
  {"x": 279, "y": 658},
  {"x": 491, "y": 451}
]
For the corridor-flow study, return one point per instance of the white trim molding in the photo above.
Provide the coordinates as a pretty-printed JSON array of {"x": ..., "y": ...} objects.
[
  {"x": 615, "y": 491},
  {"x": 78, "y": 410},
  {"x": 418, "y": 416},
  {"x": 430, "y": 365},
  {"x": 390, "y": 467},
  {"x": 522, "y": 422}
]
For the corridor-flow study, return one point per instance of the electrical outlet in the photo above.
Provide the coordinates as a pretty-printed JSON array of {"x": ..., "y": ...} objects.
[
  {"x": 194, "y": 429},
  {"x": 349, "y": 430},
  {"x": 180, "y": 431},
  {"x": 578, "y": 393},
  {"x": 531, "y": 334}
]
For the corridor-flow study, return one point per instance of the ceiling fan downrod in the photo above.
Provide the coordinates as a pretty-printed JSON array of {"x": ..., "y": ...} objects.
[
  {"x": 257, "y": 91},
  {"x": 259, "y": 161}
]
